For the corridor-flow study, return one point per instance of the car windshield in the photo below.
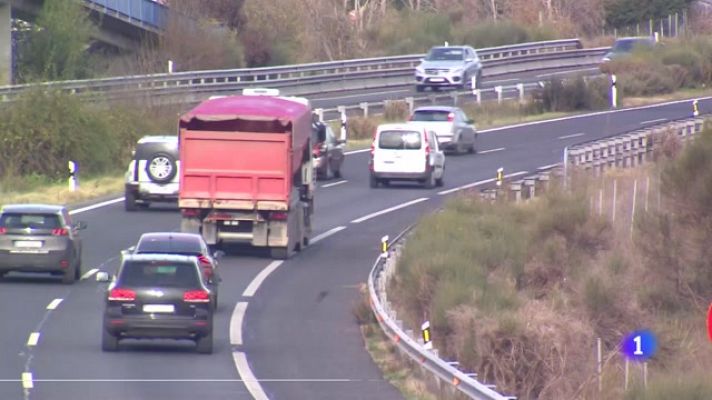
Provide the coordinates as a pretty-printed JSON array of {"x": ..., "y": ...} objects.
[
  {"x": 400, "y": 140},
  {"x": 168, "y": 246},
  {"x": 431, "y": 116},
  {"x": 159, "y": 274},
  {"x": 33, "y": 221},
  {"x": 445, "y": 54}
]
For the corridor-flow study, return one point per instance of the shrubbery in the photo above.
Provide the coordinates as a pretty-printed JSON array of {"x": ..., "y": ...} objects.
[
  {"x": 41, "y": 131},
  {"x": 571, "y": 95}
]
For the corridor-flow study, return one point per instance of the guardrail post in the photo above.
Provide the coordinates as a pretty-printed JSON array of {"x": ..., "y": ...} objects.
[
  {"x": 520, "y": 88},
  {"x": 411, "y": 104},
  {"x": 320, "y": 113},
  {"x": 454, "y": 96},
  {"x": 614, "y": 92},
  {"x": 170, "y": 66},
  {"x": 498, "y": 90},
  {"x": 364, "y": 107},
  {"x": 478, "y": 96},
  {"x": 342, "y": 111},
  {"x": 516, "y": 189},
  {"x": 384, "y": 246}
]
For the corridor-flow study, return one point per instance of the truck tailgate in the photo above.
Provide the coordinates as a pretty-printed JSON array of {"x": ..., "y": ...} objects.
[{"x": 234, "y": 166}]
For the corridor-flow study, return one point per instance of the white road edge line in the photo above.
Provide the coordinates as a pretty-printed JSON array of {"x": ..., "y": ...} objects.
[
  {"x": 491, "y": 150},
  {"x": 27, "y": 380},
  {"x": 328, "y": 185},
  {"x": 245, "y": 372},
  {"x": 348, "y": 153},
  {"x": 387, "y": 210},
  {"x": 653, "y": 121},
  {"x": 573, "y": 135},
  {"x": 33, "y": 339},
  {"x": 255, "y": 284},
  {"x": 238, "y": 315},
  {"x": 549, "y": 166},
  {"x": 326, "y": 234},
  {"x": 95, "y": 206},
  {"x": 54, "y": 304},
  {"x": 593, "y": 114},
  {"x": 89, "y": 273},
  {"x": 478, "y": 183},
  {"x": 567, "y": 72}
]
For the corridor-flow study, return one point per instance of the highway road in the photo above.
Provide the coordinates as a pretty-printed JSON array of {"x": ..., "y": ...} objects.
[{"x": 283, "y": 330}]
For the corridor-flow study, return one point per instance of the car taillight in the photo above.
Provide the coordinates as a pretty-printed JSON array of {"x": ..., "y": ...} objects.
[
  {"x": 60, "y": 232},
  {"x": 119, "y": 294},
  {"x": 278, "y": 216},
  {"x": 204, "y": 260},
  {"x": 3, "y": 231},
  {"x": 196, "y": 296},
  {"x": 190, "y": 212},
  {"x": 450, "y": 117}
]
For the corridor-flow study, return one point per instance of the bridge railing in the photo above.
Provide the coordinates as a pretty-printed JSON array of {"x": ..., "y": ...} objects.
[{"x": 146, "y": 13}]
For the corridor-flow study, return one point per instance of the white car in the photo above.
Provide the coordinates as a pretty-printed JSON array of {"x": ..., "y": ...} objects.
[
  {"x": 406, "y": 152},
  {"x": 455, "y": 131},
  {"x": 152, "y": 174}
]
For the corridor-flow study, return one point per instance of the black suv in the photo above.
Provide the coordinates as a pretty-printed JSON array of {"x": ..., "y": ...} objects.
[
  {"x": 152, "y": 175},
  {"x": 158, "y": 296}
]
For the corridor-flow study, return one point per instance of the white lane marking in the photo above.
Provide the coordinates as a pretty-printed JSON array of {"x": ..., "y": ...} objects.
[
  {"x": 326, "y": 234},
  {"x": 573, "y": 135},
  {"x": 238, "y": 314},
  {"x": 504, "y": 80},
  {"x": 567, "y": 72},
  {"x": 594, "y": 114},
  {"x": 328, "y": 185},
  {"x": 193, "y": 380},
  {"x": 255, "y": 284},
  {"x": 54, "y": 304},
  {"x": 491, "y": 150},
  {"x": 89, "y": 273},
  {"x": 348, "y": 153},
  {"x": 653, "y": 121},
  {"x": 95, "y": 206},
  {"x": 27, "y": 380},
  {"x": 478, "y": 183},
  {"x": 550, "y": 166},
  {"x": 33, "y": 339},
  {"x": 245, "y": 372},
  {"x": 361, "y": 95},
  {"x": 387, "y": 210}
]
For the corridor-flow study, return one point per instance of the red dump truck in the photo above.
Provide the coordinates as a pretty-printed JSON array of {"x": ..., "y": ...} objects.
[{"x": 246, "y": 172}]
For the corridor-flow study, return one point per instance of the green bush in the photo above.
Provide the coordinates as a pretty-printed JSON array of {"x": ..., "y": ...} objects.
[
  {"x": 489, "y": 34},
  {"x": 571, "y": 95},
  {"x": 408, "y": 32},
  {"x": 41, "y": 131}
]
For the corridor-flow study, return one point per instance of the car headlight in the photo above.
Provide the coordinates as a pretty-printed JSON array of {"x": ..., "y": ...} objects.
[{"x": 420, "y": 70}]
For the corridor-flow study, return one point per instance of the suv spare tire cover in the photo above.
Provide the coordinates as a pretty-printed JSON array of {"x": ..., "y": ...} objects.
[{"x": 161, "y": 167}]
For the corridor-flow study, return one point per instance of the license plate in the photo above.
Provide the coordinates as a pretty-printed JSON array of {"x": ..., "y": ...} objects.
[
  {"x": 163, "y": 189},
  {"x": 437, "y": 79},
  {"x": 34, "y": 244},
  {"x": 158, "y": 308}
]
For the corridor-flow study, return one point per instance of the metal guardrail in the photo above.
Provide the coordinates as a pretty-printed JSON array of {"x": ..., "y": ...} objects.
[
  {"x": 300, "y": 75},
  {"x": 451, "y": 378}
]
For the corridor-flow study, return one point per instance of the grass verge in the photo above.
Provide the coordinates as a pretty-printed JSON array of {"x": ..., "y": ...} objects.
[{"x": 59, "y": 193}]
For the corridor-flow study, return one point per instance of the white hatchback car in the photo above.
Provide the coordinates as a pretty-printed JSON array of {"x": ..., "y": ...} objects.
[
  {"x": 455, "y": 131},
  {"x": 406, "y": 152}
]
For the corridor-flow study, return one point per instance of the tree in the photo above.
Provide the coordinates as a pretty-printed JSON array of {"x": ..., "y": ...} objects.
[{"x": 55, "y": 49}]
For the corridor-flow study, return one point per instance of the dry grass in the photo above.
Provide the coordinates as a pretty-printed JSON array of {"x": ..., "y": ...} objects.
[
  {"x": 58, "y": 193},
  {"x": 520, "y": 292}
]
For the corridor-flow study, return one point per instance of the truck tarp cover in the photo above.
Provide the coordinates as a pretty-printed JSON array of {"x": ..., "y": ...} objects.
[{"x": 242, "y": 148}]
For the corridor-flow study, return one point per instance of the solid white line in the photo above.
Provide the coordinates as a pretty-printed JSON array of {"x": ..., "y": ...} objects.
[
  {"x": 478, "y": 183},
  {"x": 238, "y": 314},
  {"x": 348, "y": 153},
  {"x": 387, "y": 210},
  {"x": 89, "y": 273},
  {"x": 571, "y": 136},
  {"x": 654, "y": 121},
  {"x": 255, "y": 284},
  {"x": 567, "y": 72},
  {"x": 53, "y": 305},
  {"x": 504, "y": 80},
  {"x": 27, "y": 380},
  {"x": 491, "y": 150},
  {"x": 328, "y": 185},
  {"x": 245, "y": 372},
  {"x": 33, "y": 339},
  {"x": 549, "y": 166},
  {"x": 326, "y": 234},
  {"x": 594, "y": 114},
  {"x": 361, "y": 95},
  {"x": 95, "y": 206}
]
